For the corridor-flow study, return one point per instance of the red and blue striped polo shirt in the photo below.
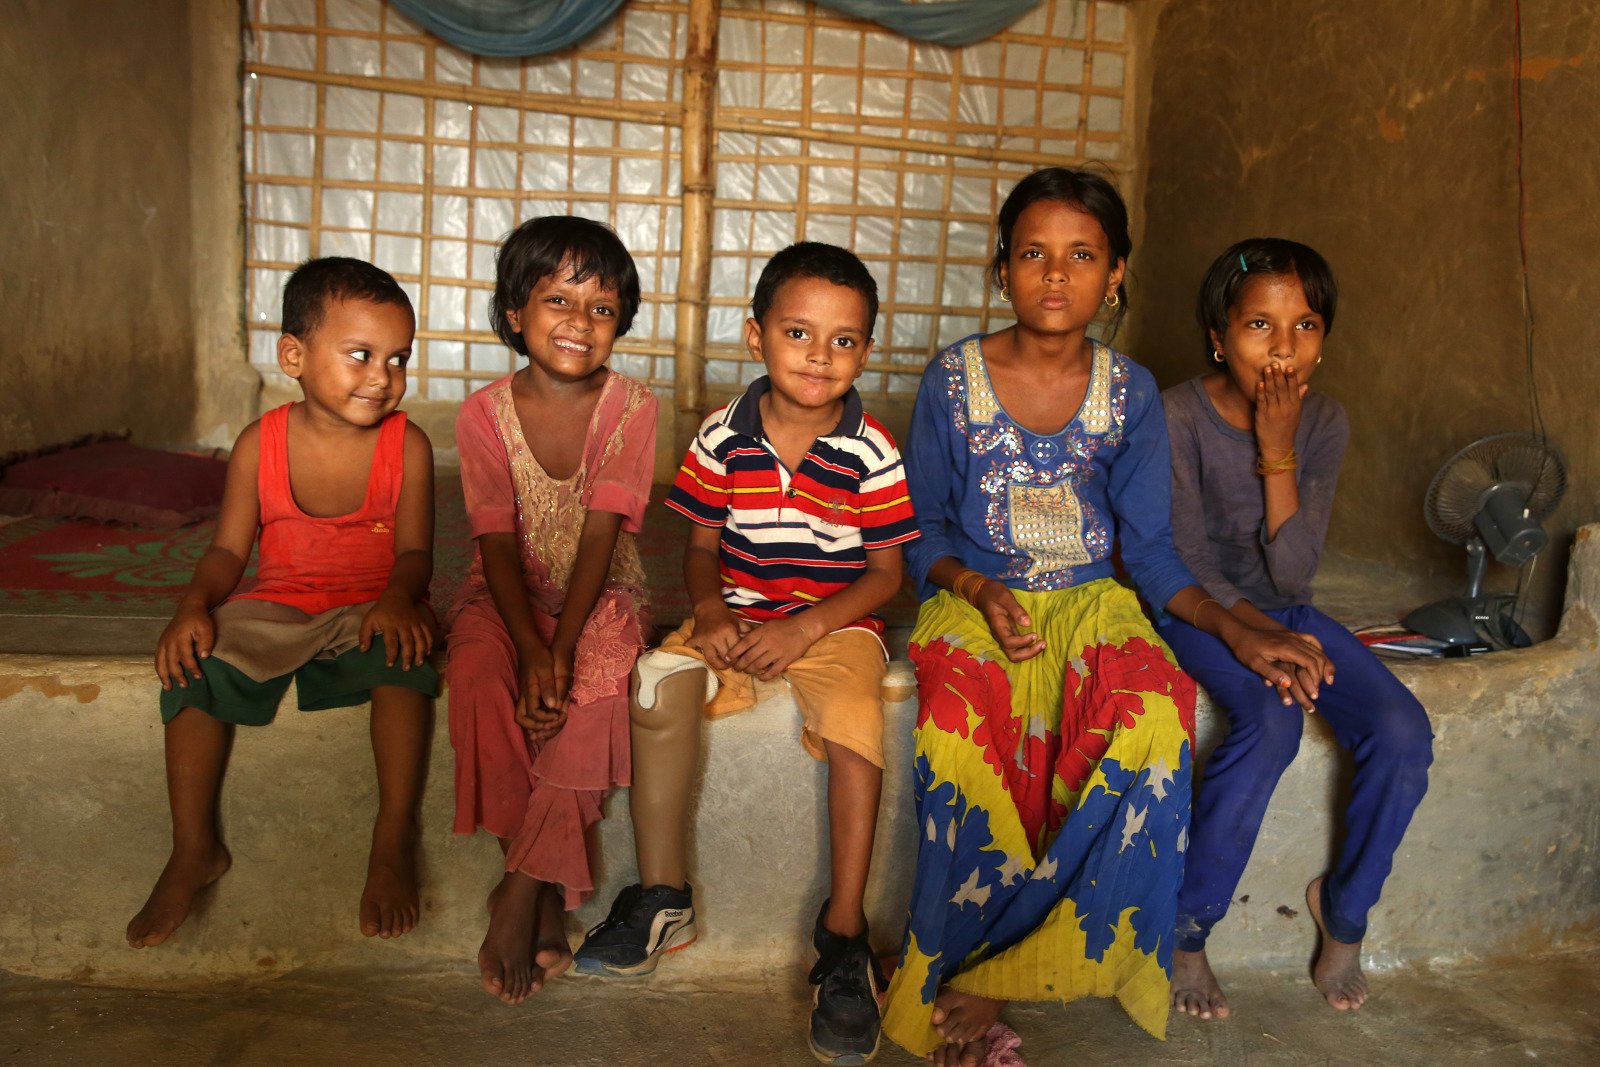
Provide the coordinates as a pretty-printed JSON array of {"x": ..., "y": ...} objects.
[{"x": 790, "y": 540}]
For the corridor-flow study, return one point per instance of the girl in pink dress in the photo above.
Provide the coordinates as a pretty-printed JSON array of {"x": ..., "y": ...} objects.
[{"x": 556, "y": 463}]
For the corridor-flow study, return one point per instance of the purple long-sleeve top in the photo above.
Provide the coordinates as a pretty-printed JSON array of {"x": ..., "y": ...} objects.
[{"x": 1219, "y": 506}]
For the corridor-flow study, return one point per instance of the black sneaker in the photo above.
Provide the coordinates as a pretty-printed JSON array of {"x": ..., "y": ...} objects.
[
  {"x": 845, "y": 1019},
  {"x": 643, "y": 924}
]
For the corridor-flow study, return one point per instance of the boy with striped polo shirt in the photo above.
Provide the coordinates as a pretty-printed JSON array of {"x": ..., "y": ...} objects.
[{"x": 800, "y": 507}]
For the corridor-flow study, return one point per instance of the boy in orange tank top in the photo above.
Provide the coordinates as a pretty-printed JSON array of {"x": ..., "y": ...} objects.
[{"x": 340, "y": 487}]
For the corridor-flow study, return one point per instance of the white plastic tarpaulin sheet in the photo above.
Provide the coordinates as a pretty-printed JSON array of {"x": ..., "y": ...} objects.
[{"x": 355, "y": 146}]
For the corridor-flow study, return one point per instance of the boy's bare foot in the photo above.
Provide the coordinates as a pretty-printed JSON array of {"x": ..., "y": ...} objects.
[
  {"x": 187, "y": 872},
  {"x": 1195, "y": 990},
  {"x": 389, "y": 905},
  {"x": 505, "y": 960},
  {"x": 552, "y": 956},
  {"x": 963, "y": 1020},
  {"x": 1337, "y": 970}
]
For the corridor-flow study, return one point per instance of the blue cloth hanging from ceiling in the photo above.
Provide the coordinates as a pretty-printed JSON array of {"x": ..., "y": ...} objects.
[
  {"x": 532, "y": 27},
  {"x": 952, "y": 23},
  {"x": 510, "y": 27}
]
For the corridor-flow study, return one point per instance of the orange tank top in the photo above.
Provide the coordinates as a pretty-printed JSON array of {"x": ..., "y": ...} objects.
[{"x": 317, "y": 564}]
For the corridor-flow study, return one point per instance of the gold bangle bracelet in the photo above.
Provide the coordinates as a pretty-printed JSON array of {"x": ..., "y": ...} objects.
[
  {"x": 1265, "y": 466},
  {"x": 955, "y": 583},
  {"x": 1194, "y": 616},
  {"x": 963, "y": 584},
  {"x": 967, "y": 583}
]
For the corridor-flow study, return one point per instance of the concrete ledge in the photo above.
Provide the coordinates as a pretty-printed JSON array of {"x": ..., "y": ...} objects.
[
  {"x": 1501, "y": 858},
  {"x": 87, "y": 830}
]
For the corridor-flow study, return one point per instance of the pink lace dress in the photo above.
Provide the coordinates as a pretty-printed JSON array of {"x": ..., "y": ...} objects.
[{"x": 544, "y": 797}]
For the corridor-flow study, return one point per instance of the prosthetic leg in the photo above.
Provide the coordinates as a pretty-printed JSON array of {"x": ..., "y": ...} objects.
[
  {"x": 655, "y": 915},
  {"x": 666, "y": 754}
]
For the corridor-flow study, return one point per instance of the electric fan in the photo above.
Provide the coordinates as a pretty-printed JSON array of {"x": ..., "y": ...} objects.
[{"x": 1490, "y": 497}]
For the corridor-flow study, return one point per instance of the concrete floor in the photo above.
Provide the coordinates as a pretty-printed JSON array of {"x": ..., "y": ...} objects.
[{"x": 1544, "y": 1010}]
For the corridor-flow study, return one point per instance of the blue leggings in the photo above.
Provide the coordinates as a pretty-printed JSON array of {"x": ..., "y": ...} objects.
[{"x": 1370, "y": 713}]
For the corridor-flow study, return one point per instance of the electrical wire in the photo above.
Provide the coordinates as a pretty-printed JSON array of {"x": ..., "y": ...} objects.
[
  {"x": 1528, "y": 321},
  {"x": 1535, "y": 412}
]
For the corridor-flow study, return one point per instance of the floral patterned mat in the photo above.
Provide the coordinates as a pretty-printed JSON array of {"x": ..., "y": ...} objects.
[
  {"x": 54, "y": 567},
  {"x": 57, "y": 567}
]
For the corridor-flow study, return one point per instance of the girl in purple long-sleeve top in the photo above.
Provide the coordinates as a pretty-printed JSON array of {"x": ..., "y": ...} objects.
[{"x": 1255, "y": 456}]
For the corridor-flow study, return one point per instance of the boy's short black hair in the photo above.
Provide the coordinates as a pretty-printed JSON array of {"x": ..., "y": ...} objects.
[
  {"x": 813, "y": 259},
  {"x": 539, "y": 247},
  {"x": 1081, "y": 189},
  {"x": 1257, "y": 256},
  {"x": 317, "y": 282}
]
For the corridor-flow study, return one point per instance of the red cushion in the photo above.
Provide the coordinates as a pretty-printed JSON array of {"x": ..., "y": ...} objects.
[{"x": 115, "y": 481}]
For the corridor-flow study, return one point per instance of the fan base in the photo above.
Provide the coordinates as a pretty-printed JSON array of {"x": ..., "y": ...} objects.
[{"x": 1481, "y": 623}]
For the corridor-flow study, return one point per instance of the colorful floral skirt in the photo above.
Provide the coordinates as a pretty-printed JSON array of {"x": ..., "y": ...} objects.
[{"x": 1053, "y": 809}]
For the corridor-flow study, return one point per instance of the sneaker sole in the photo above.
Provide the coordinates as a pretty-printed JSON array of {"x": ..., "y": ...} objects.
[
  {"x": 843, "y": 1059},
  {"x": 594, "y": 968}
]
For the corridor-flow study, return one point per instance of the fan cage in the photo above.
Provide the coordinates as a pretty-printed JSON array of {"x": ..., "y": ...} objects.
[{"x": 1456, "y": 492}]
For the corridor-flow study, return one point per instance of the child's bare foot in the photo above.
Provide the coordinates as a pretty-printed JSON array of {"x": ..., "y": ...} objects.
[
  {"x": 1337, "y": 970},
  {"x": 1195, "y": 990},
  {"x": 963, "y": 1020},
  {"x": 187, "y": 872},
  {"x": 960, "y": 1054},
  {"x": 505, "y": 960},
  {"x": 389, "y": 905},
  {"x": 552, "y": 956}
]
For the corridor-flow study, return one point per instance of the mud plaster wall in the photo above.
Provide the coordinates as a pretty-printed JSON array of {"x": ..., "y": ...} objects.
[
  {"x": 1382, "y": 134},
  {"x": 94, "y": 281},
  {"x": 122, "y": 219}
]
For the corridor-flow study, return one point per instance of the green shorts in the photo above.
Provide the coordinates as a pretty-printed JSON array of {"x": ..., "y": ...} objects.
[{"x": 229, "y": 695}]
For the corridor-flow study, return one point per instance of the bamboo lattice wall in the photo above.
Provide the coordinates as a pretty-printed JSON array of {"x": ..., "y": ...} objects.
[{"x": 366, "y": 136}]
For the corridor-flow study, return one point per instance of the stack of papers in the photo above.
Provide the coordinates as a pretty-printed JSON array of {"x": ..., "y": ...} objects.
[{"x": 1398, "y": 641}]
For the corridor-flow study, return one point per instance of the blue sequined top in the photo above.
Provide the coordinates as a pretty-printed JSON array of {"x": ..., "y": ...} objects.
[{"x": 1042, "y": 512}]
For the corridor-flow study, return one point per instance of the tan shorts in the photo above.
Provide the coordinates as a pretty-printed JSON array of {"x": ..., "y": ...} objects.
[{"x": 838, "y": 685}]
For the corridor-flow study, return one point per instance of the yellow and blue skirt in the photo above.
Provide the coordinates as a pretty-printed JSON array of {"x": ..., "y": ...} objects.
[{"x": 1053, "y": 810}]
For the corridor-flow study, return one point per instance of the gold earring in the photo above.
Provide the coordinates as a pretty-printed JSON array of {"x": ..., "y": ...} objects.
[
  {"x": 1112, "y": 301},
  {"x": 1216, "y": 355},
  {"x": 1319, "y": 361},
  {"x": 1005, "y": 294}
]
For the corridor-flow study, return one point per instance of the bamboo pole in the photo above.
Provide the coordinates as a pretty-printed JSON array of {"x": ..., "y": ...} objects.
[
  {"x": 699, "y": 190},
  {"x": 631, "y": 111},
  {"x": 949, "y": 149},
  {"x": 624, "y": 347}
]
